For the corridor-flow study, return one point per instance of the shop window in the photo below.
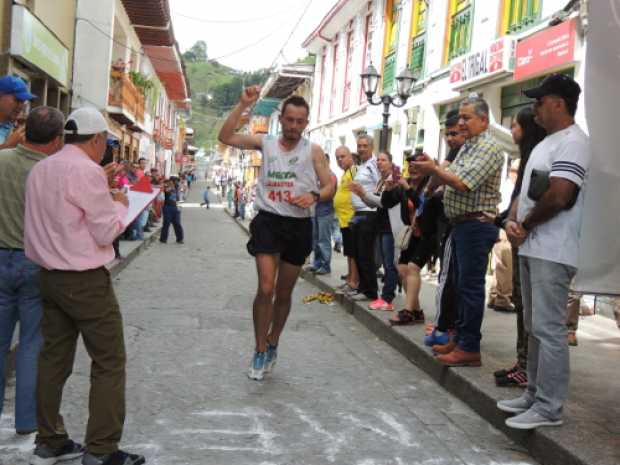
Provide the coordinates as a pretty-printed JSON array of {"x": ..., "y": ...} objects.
[
  {"x": 418, "y": 38},
  {"x": 392, "y": 30},
  {"x": 513, "y": 99},
  {"x": 520, "y": 14},
  {"x": 461, "y": 15}
]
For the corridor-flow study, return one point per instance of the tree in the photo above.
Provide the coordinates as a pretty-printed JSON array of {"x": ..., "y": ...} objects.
[{"x": 198, "y": 52}]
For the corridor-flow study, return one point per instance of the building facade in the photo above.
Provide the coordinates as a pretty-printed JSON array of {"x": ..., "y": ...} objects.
[{"x": 494, "y": 48}]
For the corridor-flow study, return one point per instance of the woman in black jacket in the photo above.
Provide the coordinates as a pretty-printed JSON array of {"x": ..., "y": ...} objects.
[{"x": 419, "y": 213}]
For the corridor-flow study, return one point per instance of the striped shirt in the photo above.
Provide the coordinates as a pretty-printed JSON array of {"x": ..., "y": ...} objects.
[
  {"x": 479, "y": 165},
  {"x": 564, "y": 154}
]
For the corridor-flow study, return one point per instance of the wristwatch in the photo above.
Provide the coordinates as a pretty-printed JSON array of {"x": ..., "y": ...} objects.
[{"x": 316, "y": 195}]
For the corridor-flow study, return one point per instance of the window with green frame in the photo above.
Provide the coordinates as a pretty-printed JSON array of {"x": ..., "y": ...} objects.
[
  {"x": 513, "y": 98},
  {"x": 460, "y": 28},
  {"x": 418, "y": 38},
  {"x": 520, "y": 14},
  {"x": 391, "y": 46}
]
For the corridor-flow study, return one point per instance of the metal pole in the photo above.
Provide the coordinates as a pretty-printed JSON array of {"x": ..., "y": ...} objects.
[{"x": 383, "y": 140}]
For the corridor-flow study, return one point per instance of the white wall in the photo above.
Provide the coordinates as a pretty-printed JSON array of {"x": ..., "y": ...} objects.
[{"x": 93, "y": 49}]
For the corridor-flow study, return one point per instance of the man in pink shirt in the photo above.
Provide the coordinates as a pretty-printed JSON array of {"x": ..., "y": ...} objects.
[{"x": 71, "y": 221}]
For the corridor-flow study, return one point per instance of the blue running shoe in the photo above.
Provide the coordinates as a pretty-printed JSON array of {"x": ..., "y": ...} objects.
[
  {"x": 271, "y": 358},
  {"x": 257, "y": 369},
  {"x": 436, "y": 338}
]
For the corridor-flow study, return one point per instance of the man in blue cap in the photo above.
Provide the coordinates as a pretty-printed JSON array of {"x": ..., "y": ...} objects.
[{"x": 13, "y": 95}]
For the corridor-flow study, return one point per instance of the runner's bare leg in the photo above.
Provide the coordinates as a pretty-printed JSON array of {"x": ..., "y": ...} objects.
[
  {"x": 263, "y": 308},
  {"x": 287, "y": 277}
]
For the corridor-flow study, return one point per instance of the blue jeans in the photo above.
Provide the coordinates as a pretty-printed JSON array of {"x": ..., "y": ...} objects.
[
  {"x": 322, "y": 242},
  {"x": 336, "y": 234},
  {"x": 473, "y": 241},
  {"x": 20, "y": 300},
  {"x": 391, "y": 273},
  {"x": 172, "y": 215}
]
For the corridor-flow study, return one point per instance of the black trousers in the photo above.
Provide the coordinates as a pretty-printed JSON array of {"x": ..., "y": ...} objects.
[
  {"x": 172, "y": 215},
  {"x": 365, "y": 231}
]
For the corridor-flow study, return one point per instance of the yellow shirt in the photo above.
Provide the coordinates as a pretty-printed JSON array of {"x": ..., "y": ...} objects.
[{"x": 342, "y": 199}]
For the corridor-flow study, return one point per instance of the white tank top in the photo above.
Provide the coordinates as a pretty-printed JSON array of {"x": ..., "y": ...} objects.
[{"x": 283, "y": 176}]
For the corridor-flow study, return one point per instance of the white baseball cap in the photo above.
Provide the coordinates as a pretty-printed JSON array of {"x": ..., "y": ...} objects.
[{"x": 86, "y": 121}]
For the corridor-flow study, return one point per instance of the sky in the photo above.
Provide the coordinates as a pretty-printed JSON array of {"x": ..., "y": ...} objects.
[{"x": 258, "y": 28}]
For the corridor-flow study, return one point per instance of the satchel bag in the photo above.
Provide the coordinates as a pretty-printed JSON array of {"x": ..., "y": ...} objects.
[{"x": 403, "y": 238}]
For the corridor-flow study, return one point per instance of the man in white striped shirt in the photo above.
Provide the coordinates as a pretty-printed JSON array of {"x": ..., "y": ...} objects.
[{"x": 545, "y": 223}]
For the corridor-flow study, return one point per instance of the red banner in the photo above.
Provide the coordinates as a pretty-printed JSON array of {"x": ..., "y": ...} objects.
[{"x": 545, "y": 50}]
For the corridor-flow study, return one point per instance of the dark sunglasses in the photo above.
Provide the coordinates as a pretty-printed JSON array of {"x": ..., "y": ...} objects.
[{"x": 452, "y": 133}]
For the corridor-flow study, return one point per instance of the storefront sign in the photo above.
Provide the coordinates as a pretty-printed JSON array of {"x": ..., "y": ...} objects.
[
  {"x": 490, "y": 62},
  {"x": 548, "y": 49},
  {"x": 34, "y": 43}
]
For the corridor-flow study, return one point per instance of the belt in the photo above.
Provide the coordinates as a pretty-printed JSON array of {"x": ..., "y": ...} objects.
[
  {"x": 484, "y": 217},
  {"x": 11, "y": 249},
  {"x": 365, "y": 213}
]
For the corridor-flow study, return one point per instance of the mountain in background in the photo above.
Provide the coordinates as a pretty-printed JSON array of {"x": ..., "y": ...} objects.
[{"x": 215, "y": 89}]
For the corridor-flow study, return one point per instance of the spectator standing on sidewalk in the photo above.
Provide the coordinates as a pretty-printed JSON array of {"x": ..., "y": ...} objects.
[
  {"x": 364, "y": 222},
  {"x": 69, "y": 229},
  {"x": 545, "y": 224},
  {"x": 13, "y": 97},
  {"x": 322, "y": 223},
  {"x": 471, "y": 196},
  {"x": 20, "y": 295},
  {"x": 344, "y": 210},
  {"x": 527, "y": 134},
  {"x": 446, "y": 294},
  {"x": 383, "y": 230},
  {"x": 281, "y": 232}
]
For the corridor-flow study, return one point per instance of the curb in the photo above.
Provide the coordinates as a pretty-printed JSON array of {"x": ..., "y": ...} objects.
[
  {"x": 115, "y": 268},
  {"x": 549, "y": 446}
]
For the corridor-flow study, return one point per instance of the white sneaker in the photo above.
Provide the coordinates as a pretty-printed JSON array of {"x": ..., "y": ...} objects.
[
  {"x": 531, "y": 419},
  {"x": 518, "y": 405},
  {"x": 257, "y": 369}
]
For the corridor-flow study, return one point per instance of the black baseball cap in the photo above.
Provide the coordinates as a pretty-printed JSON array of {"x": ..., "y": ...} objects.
[{"x": 556, "y": 84}]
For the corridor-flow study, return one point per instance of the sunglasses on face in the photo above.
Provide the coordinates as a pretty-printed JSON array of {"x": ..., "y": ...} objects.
[{"x": 452, "y": 133}]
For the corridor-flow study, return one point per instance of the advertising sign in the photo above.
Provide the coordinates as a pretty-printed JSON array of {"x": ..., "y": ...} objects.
[
  {"x": 490, "y": 62},
  {"x": 545, "y": 50},
  {"x": 34, "y": 43}
]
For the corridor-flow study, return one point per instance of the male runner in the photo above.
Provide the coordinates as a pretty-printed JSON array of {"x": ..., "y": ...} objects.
[{"x": 281, "y": 233}]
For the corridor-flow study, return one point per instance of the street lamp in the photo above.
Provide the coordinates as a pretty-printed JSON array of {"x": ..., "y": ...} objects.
[{"x": 404, "y": 83}]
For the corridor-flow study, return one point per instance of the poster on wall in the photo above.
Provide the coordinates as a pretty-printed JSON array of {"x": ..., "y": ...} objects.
[{"x": 599, "y": 261}]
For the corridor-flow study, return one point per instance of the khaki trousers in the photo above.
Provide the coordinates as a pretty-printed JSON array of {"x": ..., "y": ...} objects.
[
  {"x": 500, "y": 293},
  {"x": 81, "y": 303}
]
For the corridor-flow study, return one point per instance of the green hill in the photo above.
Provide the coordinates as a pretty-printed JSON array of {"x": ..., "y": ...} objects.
[{"x": 215, "y": 89}]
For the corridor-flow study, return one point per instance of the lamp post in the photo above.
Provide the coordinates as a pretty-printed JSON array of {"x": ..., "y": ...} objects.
[{"x": 404, "y": 83}]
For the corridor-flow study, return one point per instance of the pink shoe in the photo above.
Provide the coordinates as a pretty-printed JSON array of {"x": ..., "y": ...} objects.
[{"x": 381, "y": 304}]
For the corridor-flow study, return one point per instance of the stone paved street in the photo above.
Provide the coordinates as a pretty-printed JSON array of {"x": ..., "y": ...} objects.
[{"x": 338, "y": 395}]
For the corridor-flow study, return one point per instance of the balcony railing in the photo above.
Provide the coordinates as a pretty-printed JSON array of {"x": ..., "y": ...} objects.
[{"x": 126, "y": 96}]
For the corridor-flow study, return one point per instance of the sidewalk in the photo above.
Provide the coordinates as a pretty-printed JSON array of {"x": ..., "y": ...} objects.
[{"x": 591, "y": 431}]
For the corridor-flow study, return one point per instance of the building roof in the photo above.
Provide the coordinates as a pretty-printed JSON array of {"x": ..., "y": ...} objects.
[
  {"x": 332, "y": 23},
  {"x": 153, "y": 25},
  {"x": 283, "y": 82}
]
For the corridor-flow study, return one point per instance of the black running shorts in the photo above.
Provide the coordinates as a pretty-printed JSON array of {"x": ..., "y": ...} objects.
[{"x": 288, "y": 237}]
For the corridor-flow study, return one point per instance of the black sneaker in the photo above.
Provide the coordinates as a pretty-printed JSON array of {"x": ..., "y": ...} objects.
[
  {"x": 117, "y": 458},
  {"x": 517, "y": 378},
  {"x": 503, "y": 373},
  {"x": 45, "y": 455}
]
